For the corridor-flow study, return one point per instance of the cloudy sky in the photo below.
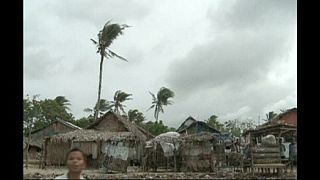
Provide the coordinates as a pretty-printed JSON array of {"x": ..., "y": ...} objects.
[{"x": 231, "y": 58}]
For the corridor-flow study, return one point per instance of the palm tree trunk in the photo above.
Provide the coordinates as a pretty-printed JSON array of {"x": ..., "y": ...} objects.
[{"x": 96, "y": 112}]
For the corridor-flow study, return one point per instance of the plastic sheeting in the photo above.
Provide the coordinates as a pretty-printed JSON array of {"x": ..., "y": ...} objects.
[
  {"x": 168, "y": 149},
  {"x": 168, "y": 142},
  {"x": 268, "y": 140},
  {"x": 119, "y": 150}
]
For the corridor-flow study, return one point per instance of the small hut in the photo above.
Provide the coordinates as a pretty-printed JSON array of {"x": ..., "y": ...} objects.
[
  {"x": 111, "y": 141},
  {"x": 38, "y": 136},
  {"x": 201, "y": 152},
  {"x": 96, "y": 144},
  {"x": 192, "y": 126}
]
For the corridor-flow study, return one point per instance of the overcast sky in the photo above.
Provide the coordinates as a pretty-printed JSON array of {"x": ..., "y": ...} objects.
[{"x": 231, "y": 58}]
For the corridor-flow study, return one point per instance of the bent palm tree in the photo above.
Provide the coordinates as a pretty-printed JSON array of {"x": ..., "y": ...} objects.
[
  {"x": 103, "y": 107},
  {"x": 105, "y": 38},
  {"x": 162, "y": 99},
  {"x": 118, "y": 99},
  {"x": 63, "y": 102}
]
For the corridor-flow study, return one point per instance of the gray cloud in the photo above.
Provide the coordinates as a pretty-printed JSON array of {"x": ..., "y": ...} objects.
[
  {"x": 99, "y": 11},
  {"x": 253, "y": 15},
  {"x": 232, "y": 58},
  {"x": 39, "y": 65},
  {"x": 240, "y": 55}
]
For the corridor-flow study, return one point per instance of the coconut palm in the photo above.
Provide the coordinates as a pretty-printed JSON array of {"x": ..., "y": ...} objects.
[
  {"x": 135, "y": 116},
  {"x": 104, "y": 106},
  {"x": 161, "y": 100},
  {"x": 63, "y": 102},
  {"x": 118, "y": 98},
  {"x": 105, "y": 38}
]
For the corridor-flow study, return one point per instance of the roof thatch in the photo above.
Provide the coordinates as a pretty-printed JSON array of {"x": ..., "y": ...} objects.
[
  {"x": 274, "y": 127},
  {"x": 147, "y": 133},
  {"x": 203, "y": 136},
  {"x": 127, "y": 124},
  {"x": 32, "y": 142},
  {"x": 68, "y": 124},
  {"x": 92, "y": 135}
]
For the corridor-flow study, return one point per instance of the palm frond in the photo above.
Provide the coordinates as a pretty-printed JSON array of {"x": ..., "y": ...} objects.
[
  {"x": 151, "y": 107},
  {"x": 94, "y": 42},
  {"x": 116, "y": 55}
]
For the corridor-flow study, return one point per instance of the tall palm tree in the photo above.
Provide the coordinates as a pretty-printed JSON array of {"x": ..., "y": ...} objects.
[
  {"x": 63, "y": 102},
  {"x": 161, "y": 100},
  {"x": 118, "y": 98},
  {"x": 105, "y": 38}
]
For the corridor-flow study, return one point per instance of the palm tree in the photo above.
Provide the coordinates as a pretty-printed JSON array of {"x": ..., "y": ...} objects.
[
  {"x": 105, "y": 38},
  {"x": 118, "y": 98},
  {"x": 63, "y": 102},
  {"x": 104, "y": 106},
  {"x": 161, "y": 100},
  {"x": 135, "y": 116}
]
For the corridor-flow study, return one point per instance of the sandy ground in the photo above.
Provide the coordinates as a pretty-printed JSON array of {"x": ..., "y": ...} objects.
[{"x": 135, "y": 173}]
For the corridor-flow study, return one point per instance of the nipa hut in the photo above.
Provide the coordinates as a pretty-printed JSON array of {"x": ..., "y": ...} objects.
[
  {"x": 111, "y": 141},
  {"x": 192, "y": 126},
  {"x": 201, "y": 152},
  {"x": 38, "y": 136}
]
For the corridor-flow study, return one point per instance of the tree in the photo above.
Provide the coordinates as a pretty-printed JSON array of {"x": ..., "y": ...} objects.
[
  {"x": 156, "y": 128},
  {"x": 119, "y": 97},
  {"x": 246, "y": 125},
  {"x": 84, "y": 121},
  {"x": 104, "y": 106},
  {"x": 135, "y": 116},
  {"x": 161, "y": 100},
  {"x": 52, "y": 111},
  {"x": 63, "y": 102},
  {"x": 106, "y": 36},
  {"x": 233, "y": 127},
  {"x": 212, "y": 121},
  {"x": 31, "y": 114}
]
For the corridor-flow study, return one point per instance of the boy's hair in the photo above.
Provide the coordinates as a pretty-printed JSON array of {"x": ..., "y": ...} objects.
[{"x": 79, "y": 150}]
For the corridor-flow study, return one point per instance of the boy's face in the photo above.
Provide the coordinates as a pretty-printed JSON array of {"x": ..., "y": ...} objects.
[{"x": 75, "y": 161}]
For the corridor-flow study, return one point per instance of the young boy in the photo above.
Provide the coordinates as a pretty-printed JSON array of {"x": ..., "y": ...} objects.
[{"x": 76, "y": 162}]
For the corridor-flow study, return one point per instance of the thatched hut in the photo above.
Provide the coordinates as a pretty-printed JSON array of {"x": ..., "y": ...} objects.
[
  {"x": 192, "y": 126},
  {"x": 38, "y": 136},
  {"x": 110, "y": 137},
  {"x": 201, "y": 152}
]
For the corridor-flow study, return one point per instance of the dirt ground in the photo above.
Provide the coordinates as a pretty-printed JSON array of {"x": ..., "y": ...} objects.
[{"x": 33, "y": 172}]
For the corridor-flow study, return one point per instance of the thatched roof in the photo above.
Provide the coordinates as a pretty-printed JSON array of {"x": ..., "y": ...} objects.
[
  {"x": 68, "y": 124},
  {"x": 274, "y": 127},
  {"x": 203, "y": 136},
  {"x": 32, "y": 142},
  {"x": 145, "y": 132},
  {"x": 92, "y": 135},
  {"x": 127, "y": 124}
]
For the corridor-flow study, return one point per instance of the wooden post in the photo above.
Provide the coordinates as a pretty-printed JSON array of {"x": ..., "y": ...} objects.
[{"x": 174, "y": 157}]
